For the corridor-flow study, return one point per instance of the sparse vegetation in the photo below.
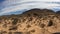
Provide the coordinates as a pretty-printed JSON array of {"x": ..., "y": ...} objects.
[
  {"x": 56, "y": 33},
  {"x": 18, "y": 32},
  {"x": 35, "y": 19},
  {"x": 50, "y": 23},
  {"x": 15, "y": 21},
  {"x": 33, "y": 31},
  {"x": 42, "y": 25},
  {"x": 9, "y": 32},
  {"x": 28, "y": 26},
  {"x": 13, "y": 28}
]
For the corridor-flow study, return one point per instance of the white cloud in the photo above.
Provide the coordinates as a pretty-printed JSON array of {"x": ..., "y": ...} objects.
[{"x": 16, "y": 5}]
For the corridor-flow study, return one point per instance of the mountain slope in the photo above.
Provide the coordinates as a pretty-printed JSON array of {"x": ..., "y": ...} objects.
[{"x": 34, "y": 21}]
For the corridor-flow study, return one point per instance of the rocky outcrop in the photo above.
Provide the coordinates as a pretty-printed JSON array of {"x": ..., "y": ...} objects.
[{"x": 34, "y": 21}]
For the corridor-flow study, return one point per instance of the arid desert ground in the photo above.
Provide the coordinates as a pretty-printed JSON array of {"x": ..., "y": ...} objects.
[{"x": 34, "y": 21}]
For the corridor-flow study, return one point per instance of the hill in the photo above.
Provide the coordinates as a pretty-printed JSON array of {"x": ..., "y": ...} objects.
[{"x": 34, "y": 21}]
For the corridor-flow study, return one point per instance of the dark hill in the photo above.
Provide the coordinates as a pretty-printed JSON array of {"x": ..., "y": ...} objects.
[
  {"x": 32, "y": 12},
  {"x": 39, "y": 12},
  {"x": 58, "y": 12}
]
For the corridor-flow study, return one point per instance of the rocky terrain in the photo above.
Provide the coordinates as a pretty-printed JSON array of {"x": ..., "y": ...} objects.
[{"x": 34, "y": 21}]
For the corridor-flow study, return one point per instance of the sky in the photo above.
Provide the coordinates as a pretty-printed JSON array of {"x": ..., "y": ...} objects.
[{"x": 19, "y": 6}]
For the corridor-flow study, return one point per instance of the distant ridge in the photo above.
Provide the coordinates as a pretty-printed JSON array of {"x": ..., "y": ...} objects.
[
  {"x": 58, "y": 12},
  {"x": 39, "y": 12}
]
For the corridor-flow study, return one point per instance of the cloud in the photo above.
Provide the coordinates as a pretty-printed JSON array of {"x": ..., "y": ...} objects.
[{"x": 19, "y": 5}]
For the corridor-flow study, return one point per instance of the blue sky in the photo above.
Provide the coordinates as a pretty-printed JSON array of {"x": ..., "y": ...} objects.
[
  {"x": 19, "y": 6},
  {"x": 1, "y": 1}
]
